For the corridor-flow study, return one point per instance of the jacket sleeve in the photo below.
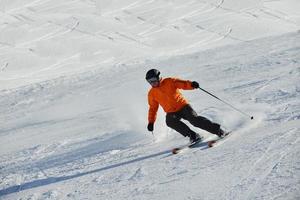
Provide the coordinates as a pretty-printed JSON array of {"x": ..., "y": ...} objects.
[
  {"x": 153, "y": 107},
  {"x": 183, "y": 84}
]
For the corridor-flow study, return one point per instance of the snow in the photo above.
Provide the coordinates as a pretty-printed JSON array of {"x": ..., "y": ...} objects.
[{"x": 74, "y": 109}]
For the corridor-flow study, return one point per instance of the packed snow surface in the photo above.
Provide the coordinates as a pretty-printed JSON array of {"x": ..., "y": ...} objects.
[{"x": 73, "y": 98}]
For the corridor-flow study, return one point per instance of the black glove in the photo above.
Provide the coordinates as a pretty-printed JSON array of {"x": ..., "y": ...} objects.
[
  {"x": 195, "y": 84},
  {"x": 150, "y": 127}
]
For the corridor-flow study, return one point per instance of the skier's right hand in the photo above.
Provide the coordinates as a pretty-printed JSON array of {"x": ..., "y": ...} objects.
[{"x": 150, "y": 127}]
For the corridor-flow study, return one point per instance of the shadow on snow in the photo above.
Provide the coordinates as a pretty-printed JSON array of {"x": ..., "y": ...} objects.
[{"x": 51, "y": 180}]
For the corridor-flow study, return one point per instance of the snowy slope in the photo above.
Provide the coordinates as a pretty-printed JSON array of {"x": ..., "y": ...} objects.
[
  {"x": 85, "y": 139},
  {"x": 43, "y": 39},
  {"x": 74, "y": 111}
]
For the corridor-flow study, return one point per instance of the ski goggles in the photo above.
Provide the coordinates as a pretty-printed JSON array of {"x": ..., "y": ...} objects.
[{"x": 153, "y": 80}]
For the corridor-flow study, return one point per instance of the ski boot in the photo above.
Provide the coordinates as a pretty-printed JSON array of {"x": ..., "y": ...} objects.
[
  {"x": 221, "y": 133},
  {"x": 195, "y": 138}
]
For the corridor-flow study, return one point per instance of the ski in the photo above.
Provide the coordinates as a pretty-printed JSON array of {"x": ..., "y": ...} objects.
[
  {"x": 202, "y": 143},
  {"x": 187, "y": 146},
  {"x": 213, "y": 143}
]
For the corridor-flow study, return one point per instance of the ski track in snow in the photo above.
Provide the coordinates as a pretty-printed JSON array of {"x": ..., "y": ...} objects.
[
  {"x": 150, "y": 29},
  {"x": 266, "y": 165},
  {"x": 74, "y": 109}
]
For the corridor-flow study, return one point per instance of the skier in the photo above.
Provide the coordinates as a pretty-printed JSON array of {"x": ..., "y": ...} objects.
[{"x": 165, "y": 92}]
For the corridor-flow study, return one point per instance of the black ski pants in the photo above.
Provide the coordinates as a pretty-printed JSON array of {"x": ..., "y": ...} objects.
[{"x": 173, "y": 120}]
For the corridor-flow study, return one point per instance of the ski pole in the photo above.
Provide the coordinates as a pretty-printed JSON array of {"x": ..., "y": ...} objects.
[
  {"x": 251, "y": 117},
  {"x": 153, "y": 136}
]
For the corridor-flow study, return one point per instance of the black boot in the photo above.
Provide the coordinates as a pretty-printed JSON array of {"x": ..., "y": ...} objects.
[
  {"x": 221, "y": 133},
  {"x": 195, "y": 138}
]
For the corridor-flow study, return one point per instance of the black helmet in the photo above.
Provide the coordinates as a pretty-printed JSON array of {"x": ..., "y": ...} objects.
[{"x": 152, "y": 73}]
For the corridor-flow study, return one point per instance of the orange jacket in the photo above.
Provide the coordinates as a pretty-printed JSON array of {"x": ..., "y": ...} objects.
[{"x": 167, "y": 95}]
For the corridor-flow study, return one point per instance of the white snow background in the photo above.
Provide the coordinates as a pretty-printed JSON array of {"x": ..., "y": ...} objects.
[{"x": 73, "y": 98}]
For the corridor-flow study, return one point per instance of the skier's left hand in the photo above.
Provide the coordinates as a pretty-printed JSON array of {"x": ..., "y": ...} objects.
[{"x": 195, "y": 84}]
